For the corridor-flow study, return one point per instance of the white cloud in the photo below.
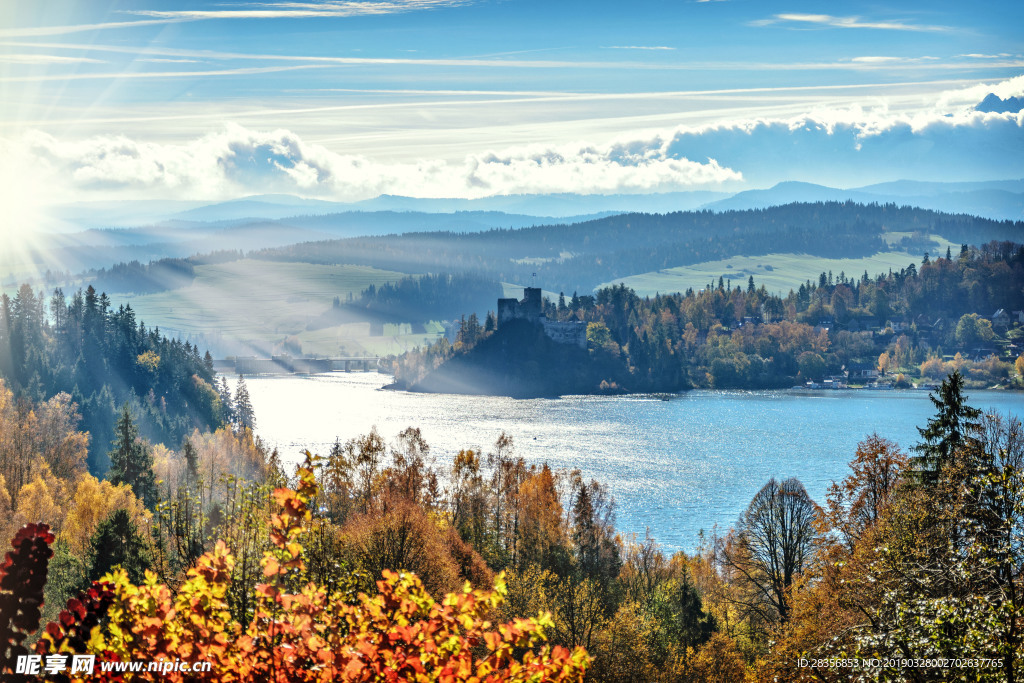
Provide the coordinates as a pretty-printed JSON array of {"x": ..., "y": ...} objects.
[
  {"x": 125, "y": 75},
  {"x": 279, "y": 10},
  {"x": 858, "y": 146},
  {"x": 880, "y": 59},
  {"x": 163, "y": 60},
  {"x": 46, "y": 59},
  {"x": 967, "y": 98},
  {"x": 637, "y": 47},
  {"x": 291, "y": 10},
  {"x": 37, "y": 31},
  {"x": 239, "y": 161},
  {"x": 830, "y": 21}
]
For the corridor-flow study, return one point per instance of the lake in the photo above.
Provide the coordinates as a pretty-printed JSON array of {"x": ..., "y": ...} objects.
[{"x": 676, "y": 464}]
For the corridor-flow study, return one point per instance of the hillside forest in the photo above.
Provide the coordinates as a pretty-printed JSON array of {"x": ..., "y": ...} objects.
[{"x": 959, "y": 311}]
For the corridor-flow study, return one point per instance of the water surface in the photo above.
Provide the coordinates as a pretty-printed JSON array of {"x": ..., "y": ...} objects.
[{"x": 676, "y": 464}]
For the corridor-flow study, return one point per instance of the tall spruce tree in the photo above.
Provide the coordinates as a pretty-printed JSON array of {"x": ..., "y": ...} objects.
[
  {"x": 131, "y": 461},
  {"x": 245, "y": 416},
  {"x": 946, "y": 433},
  {"x": 227, "y": 404}
]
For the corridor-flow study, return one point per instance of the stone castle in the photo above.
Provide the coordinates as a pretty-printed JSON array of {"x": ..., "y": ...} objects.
[{"x": 531, "y": 308}]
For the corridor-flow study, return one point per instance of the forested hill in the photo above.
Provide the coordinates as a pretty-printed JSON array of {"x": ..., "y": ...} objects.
[
  {"x": 103, "y": 358},
  {"x": 917, "y": 323},
  {"x": 578, "y": 257}
]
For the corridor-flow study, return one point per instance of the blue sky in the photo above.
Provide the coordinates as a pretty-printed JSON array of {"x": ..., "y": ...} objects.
[{"x": 350, "y": 99}]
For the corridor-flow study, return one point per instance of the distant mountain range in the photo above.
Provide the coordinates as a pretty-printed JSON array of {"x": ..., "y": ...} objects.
[
  {"x": 999, "y": 200},
  {"x": 109, "y": 232}
]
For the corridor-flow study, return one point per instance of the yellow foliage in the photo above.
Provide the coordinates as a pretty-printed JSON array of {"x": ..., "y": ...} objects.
[
  {"x": 31, "y": 435},
  {"x": 719, "y": 661},
  {"x": 37, "y": 500},
  {"x": 168, "y": 467},
  {"x": 228, "y": 453},
  {"x": 149, "y": 360},
  {"x": 8, "y": 525},
  {"x": 93, "y": 502}
]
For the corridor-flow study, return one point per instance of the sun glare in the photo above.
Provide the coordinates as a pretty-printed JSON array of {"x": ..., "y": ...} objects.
[{"x": 26, "y": 222}]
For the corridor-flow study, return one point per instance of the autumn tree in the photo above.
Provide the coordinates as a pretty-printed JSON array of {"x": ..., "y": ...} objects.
[
  {"x": 857, "y": 502},
  {"x": 772, "y": 544}
]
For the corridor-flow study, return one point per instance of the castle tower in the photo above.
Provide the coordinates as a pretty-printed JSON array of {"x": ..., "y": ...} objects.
[{"x": 532, "y": 304}]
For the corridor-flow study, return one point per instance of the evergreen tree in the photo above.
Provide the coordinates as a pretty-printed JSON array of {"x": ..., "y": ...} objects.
[
  {"x": 131, "y": 461},
  {"x": 946, "y": 433},
  {"x": 244, "y": 414},
  {"x": 117, "y": 542},
  {"x": 227, "y": 404}
]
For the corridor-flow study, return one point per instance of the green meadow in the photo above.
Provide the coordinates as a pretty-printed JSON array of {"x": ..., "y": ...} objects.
[{"x": 777, "y": 272}]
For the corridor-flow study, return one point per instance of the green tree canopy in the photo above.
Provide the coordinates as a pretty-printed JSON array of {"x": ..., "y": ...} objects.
[
  {"x": 117, "y": 542},
  {"x": 945, "y": 433},
  {"x": 131, "y": 461}
]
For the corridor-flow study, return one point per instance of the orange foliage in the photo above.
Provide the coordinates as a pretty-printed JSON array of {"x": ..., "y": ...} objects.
[{"x": 299, "y": 632}]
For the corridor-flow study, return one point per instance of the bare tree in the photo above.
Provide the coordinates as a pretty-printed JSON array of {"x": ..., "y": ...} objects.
[{"x": 770, "y": 547}]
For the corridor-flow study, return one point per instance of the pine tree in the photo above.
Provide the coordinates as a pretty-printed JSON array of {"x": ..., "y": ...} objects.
[
  {"x": 131, "y": 461},
  {"x": 946, "y": 433},
  {"x": 244, "y": 414},
  {"x": 117, "y": 542}
]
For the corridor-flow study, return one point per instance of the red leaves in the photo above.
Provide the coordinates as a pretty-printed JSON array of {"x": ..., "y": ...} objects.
[{"x": 22, "y": 580}]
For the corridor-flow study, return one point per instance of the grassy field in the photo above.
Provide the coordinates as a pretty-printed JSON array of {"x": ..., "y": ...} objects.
[
  {"x": 261, "y": 301},
  {"x": 777, "y": 272}
]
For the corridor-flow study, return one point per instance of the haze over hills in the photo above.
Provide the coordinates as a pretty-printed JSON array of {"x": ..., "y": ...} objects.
[
  {"x": 181, "y": 229},
  {"x": 997, "y": 199}
]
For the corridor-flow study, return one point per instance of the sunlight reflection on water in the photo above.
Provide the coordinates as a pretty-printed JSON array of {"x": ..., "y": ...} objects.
[{"x": 676, "y": 464}]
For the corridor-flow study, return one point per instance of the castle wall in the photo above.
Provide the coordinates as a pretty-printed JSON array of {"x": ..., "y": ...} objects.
[
  {"x": 569, "y": 332},
  {"x": 508, "y": 309}
]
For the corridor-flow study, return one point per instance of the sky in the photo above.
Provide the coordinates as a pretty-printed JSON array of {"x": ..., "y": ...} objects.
[{"x": 349, "y": 99}]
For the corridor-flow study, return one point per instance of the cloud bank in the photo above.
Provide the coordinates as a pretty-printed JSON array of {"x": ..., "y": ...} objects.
[
  {"x": 848, "y": 147},
  {"x": 239, "y": 161}
]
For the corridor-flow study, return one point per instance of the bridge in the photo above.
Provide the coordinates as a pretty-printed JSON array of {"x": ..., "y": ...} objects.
[{"x": 285, "y": 365}]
